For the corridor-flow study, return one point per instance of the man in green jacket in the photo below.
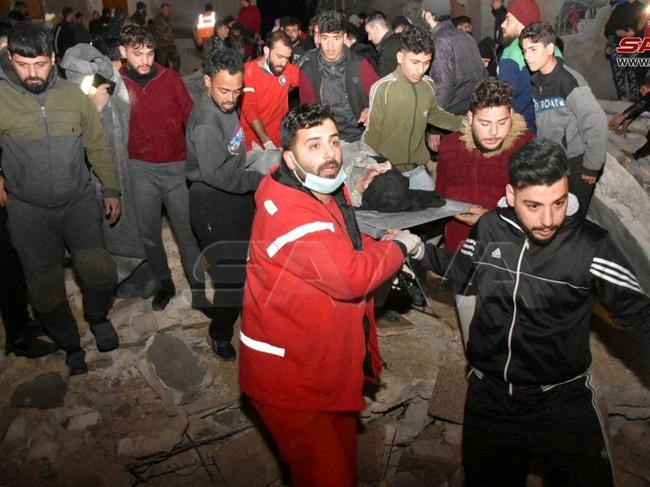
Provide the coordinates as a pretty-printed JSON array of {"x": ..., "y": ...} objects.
[
  {"x": 401, "y": 106},
  {"x": 48, "y": 127}
]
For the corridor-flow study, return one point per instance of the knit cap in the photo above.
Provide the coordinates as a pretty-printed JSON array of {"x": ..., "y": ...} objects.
[{"x": 525, "y": 11}]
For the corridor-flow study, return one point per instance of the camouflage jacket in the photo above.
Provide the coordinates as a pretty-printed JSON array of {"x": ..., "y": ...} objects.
[{"x": 162, "y": 30}]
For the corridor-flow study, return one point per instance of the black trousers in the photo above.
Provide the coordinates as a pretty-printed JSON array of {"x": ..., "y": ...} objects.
[
  {"x": 577, "y": 186},
  {"x": 13, "y": 291},
  {"x": 40, "y": 236},
  {"x": 558, "y": 429},
  {"x": 222, "y": 224}
]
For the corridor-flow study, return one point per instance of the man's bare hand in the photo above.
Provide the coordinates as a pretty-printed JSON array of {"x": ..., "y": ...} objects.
[
  {"x": 363, "y": 118},
  {"x": 99, "y": 96},
  {"x": 590, "y": 180},
  {"x": 433, "y": 141},
  {"x": 471, "y": 215},
  {"x": 112, "y": 209},
  {"x": 373, "y": 171},
  {"x": 4, "y": 199},
  {"x": 616, "y": 121}
]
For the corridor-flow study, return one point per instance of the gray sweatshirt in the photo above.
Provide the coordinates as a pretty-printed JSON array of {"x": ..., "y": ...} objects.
[{"x": 216, "y": 152}]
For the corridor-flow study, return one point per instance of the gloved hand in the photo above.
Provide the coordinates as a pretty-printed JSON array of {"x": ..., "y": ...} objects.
[
  {"x": 413, "y": 243},
  {"x": 269, "y": 145}
]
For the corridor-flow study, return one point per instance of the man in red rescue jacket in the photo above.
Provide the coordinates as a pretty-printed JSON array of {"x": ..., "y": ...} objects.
[{"x": 308, "y": 335}]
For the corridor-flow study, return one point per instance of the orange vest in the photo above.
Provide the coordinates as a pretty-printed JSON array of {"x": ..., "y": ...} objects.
[{"x": 205, "y": 25}]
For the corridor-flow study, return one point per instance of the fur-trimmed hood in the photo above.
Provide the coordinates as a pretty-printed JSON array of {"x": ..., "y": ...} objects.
[{"x": 517, "y": 129}]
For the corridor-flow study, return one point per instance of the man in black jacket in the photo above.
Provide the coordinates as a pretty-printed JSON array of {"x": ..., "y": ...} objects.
[
  {"x": 622, "y": 120},
  {"x": 64, "y": 36},
  {"x": 534, "y": 269},
  {"x": 221, "y": 191},
  {"x": 385, "y": 40},
  {"x": 456, "y": 67}
]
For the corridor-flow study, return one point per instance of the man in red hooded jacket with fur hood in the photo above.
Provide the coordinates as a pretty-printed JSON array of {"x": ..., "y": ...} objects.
[{"x": 473, "y": 163}]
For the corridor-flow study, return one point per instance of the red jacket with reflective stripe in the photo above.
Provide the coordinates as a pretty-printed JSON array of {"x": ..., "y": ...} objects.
[{"x": 307, "y": 292}]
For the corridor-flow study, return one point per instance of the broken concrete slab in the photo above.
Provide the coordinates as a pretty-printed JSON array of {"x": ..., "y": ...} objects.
[
  {"x": 44, "y": 448},
  {"x": 448, "y": 396},
  {"x": 413, "y": 422},
  {"x": 16, "y": 430},
  {"x": 622, "y": 206},
  {"x": 142, "y": 443},
  {"x": 371, "y": 442},
  {"x": 83, "y": 421},
  {"x": 171, "y": 369},
  {"x": 250, "y": 448},
  {"x": 44, "y": 392}
]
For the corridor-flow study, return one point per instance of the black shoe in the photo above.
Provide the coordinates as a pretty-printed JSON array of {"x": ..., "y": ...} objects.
[
  {"x": 408, "y": 283},
  {"x": 223, "y": 350},
  {"x": 164, "y": 295},
  {"x": 105, "y": 336},
  {"x": 33, "y": 329},
  {"x": 30, "y": 348},
  {"x": 387, "y": 315},
  {"x": 76, "y": 362}
]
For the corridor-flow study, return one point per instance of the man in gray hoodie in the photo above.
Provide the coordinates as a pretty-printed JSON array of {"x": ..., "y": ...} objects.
[{"x": 221, "y": 191}]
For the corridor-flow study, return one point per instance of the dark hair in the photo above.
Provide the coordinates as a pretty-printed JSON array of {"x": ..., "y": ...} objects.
[
  {"x": 223, "y": 60},
  {"x": 66, "y": 11},
  {"x": 331, "y": 21},
  {"x": 302, "y": 117},
  {"x": 135, "y": 35},
  {"x": 5, "y": 28},
  {"x": 461, "y": 19},
  {"x": 19, "y": 4},
  {"x": 538, "y": 162},
  {"x": 163, "y": 5},
  {"x": 490, "y": 93},
  {"x": 30, "y": 40},
  {"x": 140, "y": 5},
  {"x": 277, "y": 36},
  {"x": 287, "y": 21},
  {"x": 106, "y": 11},
  {"x": 228, "y": 18},
  {"x": 108, "y": 46},
  {"x": 646, "y": 80},
  {"x": 208, "y": 7},
  {"x": 539, "y": 32},
  {"x": 351, "y": 31},
  {"x": 417, "y": 39},
  {"x": 377, "y": 16},
  {"x": 400, "y": 20}
]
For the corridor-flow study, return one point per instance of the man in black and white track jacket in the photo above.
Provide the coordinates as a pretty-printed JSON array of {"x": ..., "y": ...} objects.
[{"x": 534, "y": 267}]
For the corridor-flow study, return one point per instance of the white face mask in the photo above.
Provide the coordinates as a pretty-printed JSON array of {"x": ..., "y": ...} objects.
[{"x": 319, "y": 184}]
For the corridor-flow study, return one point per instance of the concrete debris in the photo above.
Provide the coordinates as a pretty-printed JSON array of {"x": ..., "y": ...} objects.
[
  {"x": 44, "y": 392},
  {"x": 448, "y": 397},
  {"x": 83, "y": 421},
  {"x": 235, "y": 460}
]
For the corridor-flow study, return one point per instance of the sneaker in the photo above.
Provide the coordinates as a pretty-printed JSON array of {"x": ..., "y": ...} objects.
[
  {"x": 223, "y": 349},
  {"x": 163, "y": 296},
  {"x": 76, "y": 362},
  {"x": 30, "y": 347},
  {"x": 410, "y": 285},
  {"x": 105, "y": 336}
]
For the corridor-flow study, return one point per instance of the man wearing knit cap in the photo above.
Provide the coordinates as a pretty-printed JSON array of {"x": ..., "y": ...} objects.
[
  {"x": 456, "y": 67},
  {"x": 512, "y": 68}
]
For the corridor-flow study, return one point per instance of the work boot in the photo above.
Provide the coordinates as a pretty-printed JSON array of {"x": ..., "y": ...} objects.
[
  {"x": 163, "y": 296},
  {"x": 76, "y": 362},
  {"x": 105, "y": 336},
  {"x": 30, "y": 347},
  {"x": 223, "y": 349},
  {"x": 408, "y": 283}
]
